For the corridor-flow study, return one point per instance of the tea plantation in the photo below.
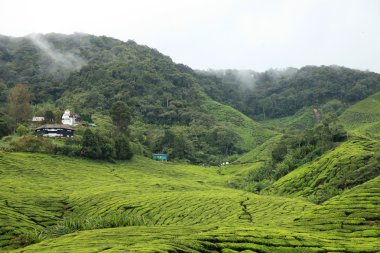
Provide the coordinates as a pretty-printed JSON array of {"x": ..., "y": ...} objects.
[{"x": 62, "y": 204}]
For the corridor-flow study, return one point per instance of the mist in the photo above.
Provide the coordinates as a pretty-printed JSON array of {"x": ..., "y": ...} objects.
[
  {"x": 56, "y": 61},
  {"x": 247, "y": 79}
]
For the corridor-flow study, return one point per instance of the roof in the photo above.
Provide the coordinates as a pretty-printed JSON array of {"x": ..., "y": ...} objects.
[{"x": 55, "y": 126}]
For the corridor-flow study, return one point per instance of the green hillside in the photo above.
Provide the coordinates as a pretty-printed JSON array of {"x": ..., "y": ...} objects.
[
  {"x": 350, "y": 164},
  {"x": 251, "y": 133},
  {"x": 76, "y": 205},
  {"x": 302, "y": 119},
  {"x": 363, "y": 117},
  {"x": 355, "y": 212},
  {"x": 261, "y": 153},
  {"x": 280, "y": 93},
  {"x": 286, "y": 183},
  {"x": 167, "y": 102}
]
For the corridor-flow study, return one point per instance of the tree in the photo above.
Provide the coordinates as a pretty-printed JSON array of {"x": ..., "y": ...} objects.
[
  {"x": 22, "y": 130},
  {"x": 224, "y": 139},
  {"x": 122, "y": 148},
  {"x": 121, "y": 116},
  {"x": 3, "y": 92},
  {"x": 49, "y": 117},
  {"x": 90, "y": 145},
  {"x": 279, "y": 152},
  {"x": 106, "y": 146},
  {"x": 19, "y": 103},
  {"x": 7, "y": 125}
]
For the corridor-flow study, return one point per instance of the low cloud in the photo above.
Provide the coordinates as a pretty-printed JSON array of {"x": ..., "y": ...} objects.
[{"x": 60, "y": 61}]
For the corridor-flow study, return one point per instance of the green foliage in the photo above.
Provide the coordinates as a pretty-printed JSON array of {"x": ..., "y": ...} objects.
[
  {"x": 121, "y": 116},
  {"x": 350, "y": 164},
  {"x": 22, "y": 130},
  {"x": 90, "y": 145},
  {"x": 7, "y": 125},
  {"x": 334, "y": 106},
  {"x": 160, "y": 93},
  {"x": 19, "y": 103},
  {"x": 224, "y": 139},
  {"x": 299, "y": 147},
  {"x": 251, "y": 134},
  {"x": 33, "y": 144},
  {"x": 261, "y": 153},
  {"x": 275, "y": 94},
  {"x": 279, "y": 152},
  {"x": 74, "y": 223},
  {"x": 355, "y": 211},
  {"x": 170, "y": 207},
  {"x": 49, "y": 117},
  {"x": 363, "y": 117},
  {"x": 123, "y": 148},
  {"x": 86, "y": 204}
]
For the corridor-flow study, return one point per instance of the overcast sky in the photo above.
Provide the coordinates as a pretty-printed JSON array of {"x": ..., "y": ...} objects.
[{"x": 241, "y": 34}]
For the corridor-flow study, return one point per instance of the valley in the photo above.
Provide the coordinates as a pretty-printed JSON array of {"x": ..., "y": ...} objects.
[{"x": 277, "y": 161}]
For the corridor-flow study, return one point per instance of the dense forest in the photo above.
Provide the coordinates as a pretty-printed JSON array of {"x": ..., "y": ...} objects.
[{"x": 280, "y": 93}]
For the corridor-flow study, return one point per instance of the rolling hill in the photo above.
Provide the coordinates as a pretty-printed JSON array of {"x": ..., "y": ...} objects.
[
  {"x": 363, "y": 117},
  {"x": 78, "y": 205},
  {"x": 317, "y": 185}
]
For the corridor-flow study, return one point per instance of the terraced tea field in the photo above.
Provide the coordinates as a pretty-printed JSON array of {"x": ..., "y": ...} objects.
[
  {"x": 63, "y": 204},
  {"x": 363, "y": 118},
  {"x": 352, "y": 163}
]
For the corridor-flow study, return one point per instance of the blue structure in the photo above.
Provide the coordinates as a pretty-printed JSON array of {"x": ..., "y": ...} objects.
[{"x": 160, "y": 157}]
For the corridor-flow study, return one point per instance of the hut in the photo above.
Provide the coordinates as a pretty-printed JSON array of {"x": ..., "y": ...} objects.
[{"x": 160, "y": 157}]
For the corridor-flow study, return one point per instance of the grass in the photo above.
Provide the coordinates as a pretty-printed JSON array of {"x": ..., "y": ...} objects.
[{"x": 64, "y": 204}]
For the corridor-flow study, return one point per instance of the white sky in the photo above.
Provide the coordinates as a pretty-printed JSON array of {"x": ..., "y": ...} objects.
[{"x": 242, "y": 34}]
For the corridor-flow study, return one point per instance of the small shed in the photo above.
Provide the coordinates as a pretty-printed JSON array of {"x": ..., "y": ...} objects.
[
  {"x": 161, "y": 157},
  {"x": 55, "y": 130},
  {"x": 38, "y": 119}
]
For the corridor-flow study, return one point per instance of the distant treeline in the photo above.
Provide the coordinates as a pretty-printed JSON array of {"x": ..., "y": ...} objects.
[{"x": 276, "y": 93}]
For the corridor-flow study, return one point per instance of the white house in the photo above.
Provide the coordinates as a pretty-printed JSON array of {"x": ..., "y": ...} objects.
[{"x": 69, "y": 118}]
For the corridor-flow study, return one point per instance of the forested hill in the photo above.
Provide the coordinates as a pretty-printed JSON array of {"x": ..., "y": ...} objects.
[
  {"x": 279, "y": 93},
  {"x": 90, "y": 72},
  {"x": 172, "y": 105},
  {"x": 94, "y": 71},
  {"x": 87, "y": 74}
]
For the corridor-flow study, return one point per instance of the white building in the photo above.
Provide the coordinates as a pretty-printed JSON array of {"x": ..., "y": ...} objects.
[
  {"x": 38, "y": 119},
  {"x": 68, "y": 119}
]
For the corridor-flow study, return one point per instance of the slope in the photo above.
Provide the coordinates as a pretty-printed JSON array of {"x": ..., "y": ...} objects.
[
  {"x": 280, "y": 93},
  {"x": 363, "y": 118},
  {"x": 355, "y": 213},
  {"x": 177, "y": 208},
  {"x": 350, "y": 164},
  {"x": 41, "y": 190},
  {"x": 251, "y": 133}
]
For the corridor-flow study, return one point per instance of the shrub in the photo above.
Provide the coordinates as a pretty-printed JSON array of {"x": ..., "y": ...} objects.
[
  {"x": 68, "y": 149},
  {"x": 123, "y": 148},
  {"x": 33, "y": 144},
  {"x": 75, "y": 223},
  {"x": 22, "y": 130}
]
